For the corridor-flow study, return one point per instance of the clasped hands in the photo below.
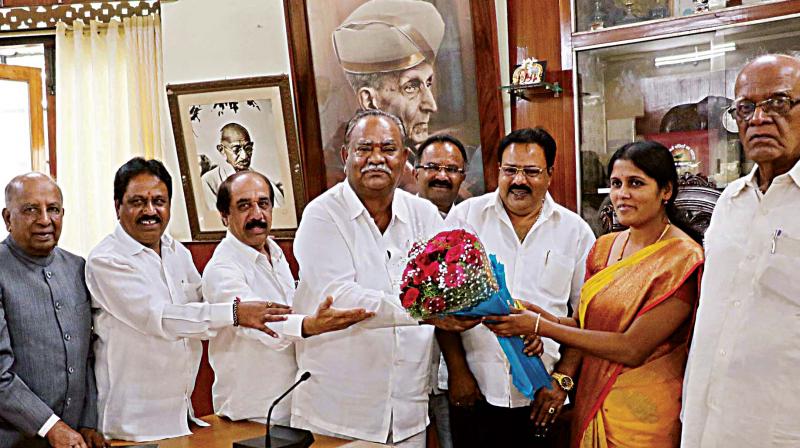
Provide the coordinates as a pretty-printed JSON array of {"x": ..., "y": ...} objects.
[{"x": 62, "y": 436}]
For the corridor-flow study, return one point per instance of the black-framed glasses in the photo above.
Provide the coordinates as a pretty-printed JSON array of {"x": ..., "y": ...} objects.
[
  {"x": 435, "y": 168},
  {"x": 743, "y": 110},
  {"x": 237, "y": 147},
  {"x": 531, "y": 172}
]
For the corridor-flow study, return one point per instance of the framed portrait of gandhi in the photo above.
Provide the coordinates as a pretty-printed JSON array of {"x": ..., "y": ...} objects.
[
  {"x": 432, "y": 63},
  {"x": 222, "y": 127}
]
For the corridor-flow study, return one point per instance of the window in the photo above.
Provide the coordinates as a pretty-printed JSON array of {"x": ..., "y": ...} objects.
[{"x": 27, "y": 115}]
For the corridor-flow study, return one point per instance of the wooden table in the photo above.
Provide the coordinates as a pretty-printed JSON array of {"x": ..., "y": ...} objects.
[{"x": 223, "y": 432}]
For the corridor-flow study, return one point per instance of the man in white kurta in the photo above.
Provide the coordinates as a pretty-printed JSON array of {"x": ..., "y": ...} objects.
[
  {"x": 252, "y": 368},
  {"x": 741, "y": 386},
  {"x": 366, "y": 382},
  {"x": 150, "y": 319}
]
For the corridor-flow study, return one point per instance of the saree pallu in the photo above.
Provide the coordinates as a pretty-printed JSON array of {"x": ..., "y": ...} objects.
[{"x": 618, "y": 406}]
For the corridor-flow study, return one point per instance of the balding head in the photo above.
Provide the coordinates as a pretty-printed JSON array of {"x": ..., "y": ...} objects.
[
  {"x": 770, "y": 69},
  {"x": 233, "y": 132},
  {"x": 771, "y": 134},
  {"x": 235, "y": 145},
  {"x": 33, "y": 213},
  {"x": 17, "y": 184}
]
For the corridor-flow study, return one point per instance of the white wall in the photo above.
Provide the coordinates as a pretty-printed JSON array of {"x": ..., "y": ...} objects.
[
  {"x": 204, "y": 41},
  {"x": 501, "y": 13}
]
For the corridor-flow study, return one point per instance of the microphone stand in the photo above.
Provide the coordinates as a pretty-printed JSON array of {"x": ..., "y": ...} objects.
[
  {"x": 286, "y": 437},
  {"x": 267, "y": 438}
]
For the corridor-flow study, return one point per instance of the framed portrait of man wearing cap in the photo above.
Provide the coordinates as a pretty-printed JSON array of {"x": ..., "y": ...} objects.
[
  {"x": 416, "y": 59},
  {"x": 226, "y": 126}
]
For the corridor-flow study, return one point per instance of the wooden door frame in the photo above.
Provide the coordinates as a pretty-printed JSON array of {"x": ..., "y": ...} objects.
[{"x": 49, "y": 43}]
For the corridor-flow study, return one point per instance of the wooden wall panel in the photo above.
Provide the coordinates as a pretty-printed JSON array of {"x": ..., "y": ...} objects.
[{"x": 539, "y": 26}]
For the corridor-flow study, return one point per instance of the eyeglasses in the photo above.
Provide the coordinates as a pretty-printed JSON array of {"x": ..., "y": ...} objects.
[
  {"x": 435, "y": 168},
  {"x": 743, "y": 110},
  {"x": 530, "y": 172},
  {"x": 238, "y": 147}
]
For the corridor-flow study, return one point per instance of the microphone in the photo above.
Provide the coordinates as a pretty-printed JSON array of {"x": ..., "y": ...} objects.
[
  {"x": 267, "y": 438},
  {"x": 285, "y": 437}
]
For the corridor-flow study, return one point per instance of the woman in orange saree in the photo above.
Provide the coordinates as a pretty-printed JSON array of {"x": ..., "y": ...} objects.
[{"x": 634, "y": 319}]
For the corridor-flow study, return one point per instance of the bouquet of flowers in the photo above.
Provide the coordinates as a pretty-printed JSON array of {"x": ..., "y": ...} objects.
[{"x": 451, "y": 274}]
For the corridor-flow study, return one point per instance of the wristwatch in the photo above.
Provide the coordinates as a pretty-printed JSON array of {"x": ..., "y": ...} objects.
[{"x": 565, "y": 381}]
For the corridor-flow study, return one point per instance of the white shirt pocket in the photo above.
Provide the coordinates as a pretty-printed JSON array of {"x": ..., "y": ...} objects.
[
  {"x": 556, "y": 276},
  {"x": 779, "y": 268}
]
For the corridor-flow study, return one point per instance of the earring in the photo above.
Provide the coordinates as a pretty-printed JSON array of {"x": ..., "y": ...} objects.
[{"x": 665, "y": 201}]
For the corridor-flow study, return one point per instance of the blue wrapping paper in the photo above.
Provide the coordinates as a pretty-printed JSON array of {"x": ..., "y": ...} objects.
[{"x": 527, "y": 373}]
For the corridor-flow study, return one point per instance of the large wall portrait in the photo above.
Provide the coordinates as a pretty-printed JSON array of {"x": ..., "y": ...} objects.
[
  {"x": 222, "y": 127},
  {"x": 413, "y": 58}
]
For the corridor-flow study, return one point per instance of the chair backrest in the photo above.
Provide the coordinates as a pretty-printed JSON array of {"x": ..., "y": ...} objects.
[{"x": 695, "y": 202}]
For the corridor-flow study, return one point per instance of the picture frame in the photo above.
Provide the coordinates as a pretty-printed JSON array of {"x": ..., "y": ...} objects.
[
  {"x": 310, "y": 24},
  {"x": 224, "y": 126}
]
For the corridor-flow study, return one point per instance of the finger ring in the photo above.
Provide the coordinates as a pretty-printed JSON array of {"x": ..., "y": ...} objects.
[
  {"x": 269, "y": 304},
  {"x": 551, "y": 411}
]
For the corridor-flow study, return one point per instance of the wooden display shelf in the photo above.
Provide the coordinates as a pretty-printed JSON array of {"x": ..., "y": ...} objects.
[
  {"x": 526, "y": 91},
  {"x": 652, "y": 29}
]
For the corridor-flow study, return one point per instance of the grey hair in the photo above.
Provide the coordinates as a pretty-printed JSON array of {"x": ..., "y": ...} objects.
[{"x": 362, "y": 114}]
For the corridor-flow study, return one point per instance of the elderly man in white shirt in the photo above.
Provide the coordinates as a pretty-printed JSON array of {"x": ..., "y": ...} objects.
[
  {"x": 247, "y": 265},
  {"x": 370, "y": 381},
  {"x": 740, "y": 386},
  {"x": 543, "y": 247},
  {"x": 151, "y": 318}
]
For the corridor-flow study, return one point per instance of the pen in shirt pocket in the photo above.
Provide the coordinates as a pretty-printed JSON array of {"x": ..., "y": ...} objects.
[{"x": 775, "y": 236}]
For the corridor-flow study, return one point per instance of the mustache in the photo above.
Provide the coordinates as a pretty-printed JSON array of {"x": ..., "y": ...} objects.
[
  {"x": 376, "y": 167},
  {"x": 521, "y": 188},
  {"x": 156, "y": 218},
  {"x": 255, "y": 223},
  {"x": 440, "y": 183}
]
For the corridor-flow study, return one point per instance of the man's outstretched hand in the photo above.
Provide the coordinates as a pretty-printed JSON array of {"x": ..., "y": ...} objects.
[{"x": 327, "y": 318}]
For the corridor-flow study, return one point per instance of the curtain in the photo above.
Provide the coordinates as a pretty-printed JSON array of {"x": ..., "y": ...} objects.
[{"x": 111, "y": 105}]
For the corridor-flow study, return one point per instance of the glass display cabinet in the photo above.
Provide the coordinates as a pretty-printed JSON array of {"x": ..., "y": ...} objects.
[{"x": 674, "y": 89}]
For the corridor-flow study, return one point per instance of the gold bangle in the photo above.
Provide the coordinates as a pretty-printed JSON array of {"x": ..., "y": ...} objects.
[{"x": 538, "y": 318}]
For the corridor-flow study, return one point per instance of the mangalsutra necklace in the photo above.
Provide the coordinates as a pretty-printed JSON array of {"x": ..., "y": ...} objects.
[{"x": 628, "y": 237}]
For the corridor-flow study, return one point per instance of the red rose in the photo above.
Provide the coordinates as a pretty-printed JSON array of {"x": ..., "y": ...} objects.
[
  {"x": 473, "y": 257},
  {"x": 454, "y": 254},
  {"x": 455, "y": 276},
  {"x": 432, "y": 250},
  {"x": 455, "y": 237},
  {"x": 410, "y": 297},
  {"x": 428, "y": 270},
  {"x": 434, "y": 304}
]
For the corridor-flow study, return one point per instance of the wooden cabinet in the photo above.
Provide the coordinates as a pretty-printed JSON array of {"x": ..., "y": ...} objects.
[{"x": 669, "y": 80}]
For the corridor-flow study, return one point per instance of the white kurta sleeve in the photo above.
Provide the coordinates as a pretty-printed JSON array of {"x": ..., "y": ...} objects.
[
  {"x": 119, "y": 289},
  {"x": 327, "y": 269},
  {"x": 223, "y": 283}
]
